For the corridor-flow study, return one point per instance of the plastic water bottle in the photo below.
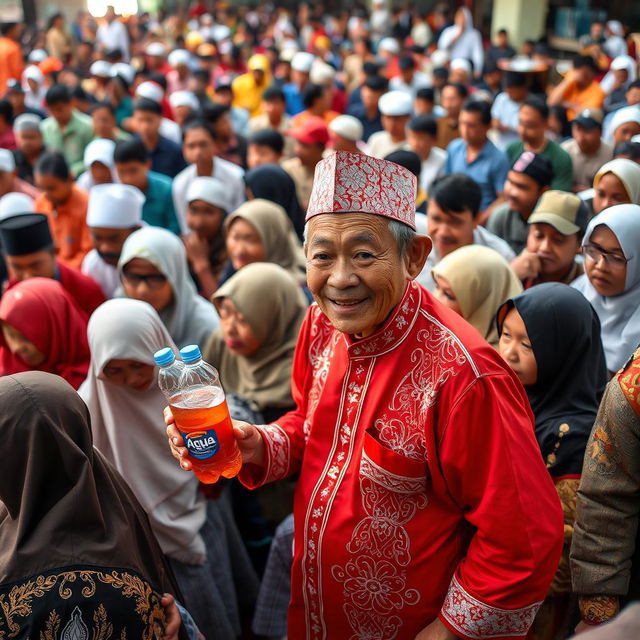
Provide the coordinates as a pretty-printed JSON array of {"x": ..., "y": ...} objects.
[{"x": 200, "y": 409}]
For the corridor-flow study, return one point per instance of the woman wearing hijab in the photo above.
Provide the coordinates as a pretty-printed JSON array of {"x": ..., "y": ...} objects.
[
  {"x": 461, "y": 40},
  {"x": 611, "y": 284},
  {"x": 550, "y": 336},
  {"x": 43, "y": 330},
  {"x": 621, "y": 74},
  {"x": 474, "y": 281},
  {"x": 272, "y": 182},
  {"x": 617, "y": 182},
  {"x": 259, "y": 231},
  {"x": 615, "y": 44},
  {"x": 125, "y": 402},
  {"x": 77, "y": 555},
  {"x": 153, "y": 267},
  {"x": 100, "y": 165}
]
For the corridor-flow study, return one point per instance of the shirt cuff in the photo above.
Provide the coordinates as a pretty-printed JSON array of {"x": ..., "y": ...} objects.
[
  {"x": 472, "y": 619},
  {"x": 277, "y": 453}
]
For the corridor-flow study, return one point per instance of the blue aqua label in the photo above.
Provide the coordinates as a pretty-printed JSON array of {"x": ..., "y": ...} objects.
[{"x": 201, "y": 445}]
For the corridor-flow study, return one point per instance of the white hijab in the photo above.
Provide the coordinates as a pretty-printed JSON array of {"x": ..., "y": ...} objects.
[
  {"x": 468, "y": 45},
  {"x": 619, "y": 315},
  {"x": 620, "y": 117},
  {"x": 619, "y": 63},
  {"x": 190, "y": 319},
  {"x": 128, "y": 427}
]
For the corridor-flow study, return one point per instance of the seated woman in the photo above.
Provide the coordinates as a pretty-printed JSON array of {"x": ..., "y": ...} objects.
[
  {"x": 259, "y": 231},
  {"x": 43, "y": 330},
  {"x": 474, "y": 281},
  {"x": 125, "y": 402},
  {"x": 611, "y": 284},
  {"x": 153, "y": 268},
  {"x": 617, "y": 182},
  {"x": 550, "y": 337},
  {"x": 70, "y": 525},
  {"x": 272, "y": 182}
]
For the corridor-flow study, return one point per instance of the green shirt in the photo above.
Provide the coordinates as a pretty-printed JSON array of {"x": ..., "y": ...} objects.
[
  {"x": 70, "y": 141},
  {"x": 158, "y": 208},
  {"x": 560, "y": 162}
]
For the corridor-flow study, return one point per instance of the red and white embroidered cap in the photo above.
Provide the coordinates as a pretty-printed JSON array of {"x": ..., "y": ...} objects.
[{"x": 356, "y": 183}]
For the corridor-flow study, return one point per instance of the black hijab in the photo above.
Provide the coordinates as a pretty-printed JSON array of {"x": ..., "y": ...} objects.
[
  {"x": 564, "y": 331},
  {"x": 272, "y": 182},
  {"x": 61, "y": 503}
]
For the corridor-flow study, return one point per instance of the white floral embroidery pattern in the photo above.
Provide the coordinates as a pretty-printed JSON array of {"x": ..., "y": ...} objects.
[
  {"x": 278, "y": 451},
  {"x": 475, "y": 619}
]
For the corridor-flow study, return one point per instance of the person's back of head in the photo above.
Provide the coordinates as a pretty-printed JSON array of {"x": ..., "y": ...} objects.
[
  {"x": 456, "y": 193},
  {"x": 6, "y": 112},
  {"x": 53, "y": 163},
  {"x": 58, "y": 94},
  {"x": 132, "y": 150},
  {"x": 311, "y": 94}
]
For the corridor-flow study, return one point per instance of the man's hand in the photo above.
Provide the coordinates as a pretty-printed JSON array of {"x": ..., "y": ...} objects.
[
  {"x": 436, "y": 631},
  {"x": 582, "y": 627},
  {"x": 249, "y": 440},
  {"x": 172, "y": 617},
  {"x": 526, "y": 265}
]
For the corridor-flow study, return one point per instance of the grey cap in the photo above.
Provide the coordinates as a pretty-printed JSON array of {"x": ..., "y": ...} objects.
[{"x": 27, "y": 122}]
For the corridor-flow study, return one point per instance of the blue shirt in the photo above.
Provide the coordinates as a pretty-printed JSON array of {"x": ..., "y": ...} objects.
[
  {"x": 167, "y": 158},
  {"x": 369, "y": 127},
  {"x": 489, "y": 169},
  {"x": 158, "y": 208},
  {"x": 293, "y": 97}
]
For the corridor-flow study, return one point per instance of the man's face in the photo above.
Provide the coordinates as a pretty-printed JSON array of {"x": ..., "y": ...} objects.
[
  {"x": 517, "y": 94},
  {"x": 422, "y": 107},
  {"x": 395, "y": 126},
  {"x": 133, "y": 173},
  {"x": 146, "y": 124},
  {"x": 354, "y": 270},
  {"x": 522, "y": 192},
  {"x": 625, "y": 132},
  {"x": 41, "y": 264},
  {"x": 274, "y": 109},
  {"x": 449, "y": 231},
  {"x": 583, "y": 76},
  {"x": 451, "y": 101},
  {"x": 588, "y": 138},
  {"x": 309, "y": 154},
  {"x": 531, "y": 126},
  {"x": 633, "y": 96},
  {"x": 108, "y": 242},
  {"x": 556, "y": 251},
  {"x": 198, "y": 146},
  {"x": 223, "y": 96},
  {"x": 181, "y": 114},
  {"x": 56, "y": 189},
  {"x": 204, "y": 219},
  {"x": 259, "y": 154},
  {"x": 61, "y": 112},
  {"x": 16, "y": 98},
  {"x": 370, "y": 97},
  {"x": 103, "y": 123},
  {"x": 460, "y": 76},
  {"x": 502, "y": 40},
  {"x": 259, "y": 77},
  {"x": 29, "y": 142},
  {"x": 420, "y": 143},
  {"x": 472, "y": 130},
  {"x": 299, "y": 77}
]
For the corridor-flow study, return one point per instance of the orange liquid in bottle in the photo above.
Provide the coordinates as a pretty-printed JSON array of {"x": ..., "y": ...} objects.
[{"x": 208, "y": 436}]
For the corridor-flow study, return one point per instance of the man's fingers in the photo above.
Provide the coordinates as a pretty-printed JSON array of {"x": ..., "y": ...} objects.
[{"x": 168, "y": 416}]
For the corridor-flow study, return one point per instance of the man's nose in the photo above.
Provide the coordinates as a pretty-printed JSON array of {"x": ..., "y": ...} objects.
[{"x": 342, "y": 275}]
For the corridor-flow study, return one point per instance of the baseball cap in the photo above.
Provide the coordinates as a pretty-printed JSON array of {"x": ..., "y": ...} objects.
[
  {"x": 589, "y": 118},
  {"x": 347, "y": 127},
  {"x": 313, "y": 131},
  {"x": 562, "y": 210},
  {"x": 535, "y": 166}
]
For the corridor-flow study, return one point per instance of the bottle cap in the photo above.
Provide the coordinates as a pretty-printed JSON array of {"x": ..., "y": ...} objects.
[
  {"x": 164, "y": 357},
  {"x": 190, "y": 353}
]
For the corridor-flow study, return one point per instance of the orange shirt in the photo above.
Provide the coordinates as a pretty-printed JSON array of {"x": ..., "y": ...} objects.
[
  {"x": 303, "y": 116},
  {"x": 11, "y": 61},
  {"x": 591, "y": 97},
  {"x": 68, "y": 226}
]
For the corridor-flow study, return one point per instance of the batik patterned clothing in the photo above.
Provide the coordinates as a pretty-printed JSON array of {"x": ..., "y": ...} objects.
[{"x": 422, "y": 492}]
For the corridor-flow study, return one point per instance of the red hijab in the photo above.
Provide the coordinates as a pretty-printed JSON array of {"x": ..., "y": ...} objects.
[{"x": 46, "y": 315}]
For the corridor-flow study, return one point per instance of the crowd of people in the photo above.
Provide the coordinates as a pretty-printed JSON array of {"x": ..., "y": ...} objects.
[{"x": 413, "y": 256}]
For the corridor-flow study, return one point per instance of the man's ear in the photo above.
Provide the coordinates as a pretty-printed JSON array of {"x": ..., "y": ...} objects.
[{"x": 416, "y": 255}]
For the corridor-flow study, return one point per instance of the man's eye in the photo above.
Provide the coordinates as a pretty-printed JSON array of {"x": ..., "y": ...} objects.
[
  {"x": 364, "y": 255},
  {"x": 320, "y": 256}
]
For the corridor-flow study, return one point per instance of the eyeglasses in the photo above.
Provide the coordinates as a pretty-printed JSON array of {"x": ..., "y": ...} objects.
[
  {"x": 612, "y": 260},
  {"x": 153, "y": 280}
]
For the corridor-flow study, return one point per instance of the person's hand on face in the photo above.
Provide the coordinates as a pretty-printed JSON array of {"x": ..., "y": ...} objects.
[
  {"x": 197, "y": 251},
  {"x": 526, "y": 265}
]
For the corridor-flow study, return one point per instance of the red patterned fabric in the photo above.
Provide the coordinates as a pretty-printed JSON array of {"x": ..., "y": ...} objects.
[
  {"x": 353, "y": 182},
  {"x": 417, "y": 461}
]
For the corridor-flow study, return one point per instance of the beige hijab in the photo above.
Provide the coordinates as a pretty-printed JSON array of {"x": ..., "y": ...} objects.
[
  {"x": 273, "y": 304},
  {"x": 481, "y": 280},
  {"x": 627, "y": 171},
  {"x": 281, "y": 245}
]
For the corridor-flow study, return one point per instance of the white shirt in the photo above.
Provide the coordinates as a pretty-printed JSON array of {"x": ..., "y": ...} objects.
[
  {"x": 506, "y": 111},
  {"x": 170, "y": 130},
  {"x": 229, "y": 174},
  {"x": 432, "y": 167},
  {"x": 104, "y": 274},
  {"x": 113, "y": 35},
  {"x": 380, "y": 144},
  {"x": 481, "y": 236}
]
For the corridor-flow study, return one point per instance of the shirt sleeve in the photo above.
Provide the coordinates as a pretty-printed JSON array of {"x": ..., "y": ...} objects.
[{"x": 494, "y": 472}]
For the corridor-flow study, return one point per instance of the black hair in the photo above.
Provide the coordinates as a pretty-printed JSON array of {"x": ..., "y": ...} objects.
[
  {"x": 560, "y": 112},
  {"x": 268, "y": 138},
  {"x": 213, "y": 112},
  {"x": 478, "y": 106},
  {"x": 80, "y": 94},
  {"x": 53, "y": 163},
  {"x": 6, "y": 111},
  {"x": 426, "y": 93},
  {"x": 538, "y": 104},
  {"x": 515, "y": 79},
  {"x": 366, "y": 42},
  {"x": 202, "y": 74},
  {"x": 311, "y": 93},
  {"x": 502, "y": 32},
  {"x": 629, "y": 149},
  {"x": 406, "y": 62},
  {"x": 160, "y": 79},
  {"x": 407, "y": 159},
  {"x": 196, "y": 122},
  {"x": 634, "y": 85},
  {"x": 53, "y": 18},
  {"x": 6, "y": 27},
  {"x": 132, "y": 150},
  {"x": 582, "y": 61},
  {"x": 102, "y": 105},
  {"x": 377, "y": 83},
  {"x": 424, "y": 124},
  {"x": 489, "y": 67},
  {"x": 57, "y": 94},
  {"x": 148, "y": 106},
  {"x": 272, "y": 93},
  {"x": 460, "y": 88},
  {"x": 456, "y": 192},
  {"x": 371, "y": 68}
]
